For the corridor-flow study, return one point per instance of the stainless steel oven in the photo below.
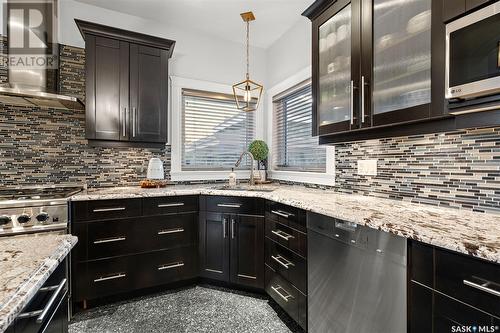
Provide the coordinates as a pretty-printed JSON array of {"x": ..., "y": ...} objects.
[{"x": 473, "y": 54}]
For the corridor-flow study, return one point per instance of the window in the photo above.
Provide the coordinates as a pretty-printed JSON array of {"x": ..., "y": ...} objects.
[
  {"x": 294, "y": 146},
  {"x": 214, "y": 131}
]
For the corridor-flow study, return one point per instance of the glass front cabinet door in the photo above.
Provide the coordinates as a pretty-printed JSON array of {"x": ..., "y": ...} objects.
[
  {"x": 336, "y": 64},
  {"x": 372, "y": 65}
]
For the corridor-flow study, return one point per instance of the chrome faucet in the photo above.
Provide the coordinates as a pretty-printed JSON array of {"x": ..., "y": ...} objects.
[{"x": 246, "y": 152}]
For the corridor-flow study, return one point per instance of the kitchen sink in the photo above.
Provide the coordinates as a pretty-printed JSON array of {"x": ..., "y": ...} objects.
[{"x": 251, "y": 188}]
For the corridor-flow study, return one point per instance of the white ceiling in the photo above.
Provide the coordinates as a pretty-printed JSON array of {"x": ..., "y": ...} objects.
[{"x": 218, "y": 18}]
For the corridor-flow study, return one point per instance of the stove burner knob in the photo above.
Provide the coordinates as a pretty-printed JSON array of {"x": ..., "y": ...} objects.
[
  {"x": 42, "y": 217},
  {"x": 4, "y": 219},
  {"x": 23, "y": 218}
]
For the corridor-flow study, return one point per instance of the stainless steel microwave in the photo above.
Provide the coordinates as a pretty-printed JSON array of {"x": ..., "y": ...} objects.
[{"x": 473, "y": 54}]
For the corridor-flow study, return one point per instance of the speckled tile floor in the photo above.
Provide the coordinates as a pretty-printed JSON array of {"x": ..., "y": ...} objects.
[{"x": 193, "y": 309}]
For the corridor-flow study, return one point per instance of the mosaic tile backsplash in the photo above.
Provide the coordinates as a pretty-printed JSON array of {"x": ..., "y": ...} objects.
[
  {"x": 41, "y": 146},
  {"x": 457, "y": 169}
]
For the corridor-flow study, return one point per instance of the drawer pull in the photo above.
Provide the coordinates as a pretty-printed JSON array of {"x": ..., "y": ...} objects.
[
  {"x": 284, "y": 297},
  {"x": 282, "y": 213},
  {"x": 110, "y": 240},
  {"x": 483, "y": 287},
  {"x": 282, "y": 234},
  {"x": 170, "y": 266},
  {"x": 229, "y": 205},
  {"x": 282, "y": 261},
  {"x": 113, "y": 209},
  {"x": 170, "y": 231},
  {"x": 173, "y": 204},
  {"x": 111, "y": 277},
  {"x": 43, "y": 312}
]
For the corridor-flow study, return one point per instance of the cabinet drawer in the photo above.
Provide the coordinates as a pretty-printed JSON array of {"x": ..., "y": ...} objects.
[
  {"x": 166, "y": 231},
  {"x": 164, "y": 267},
  {"x": 105, "y": 209},
  {"x": 421, "y": 263},
  {"x": 109, "y": 277},
  {"x": 289, "y": 298},
  {"x": 235, "y": 205},
  {"x": 449, "y": 313},
  {"x": 168, "y": 205},
  {"x": 111, "y": 238},
  {"x": 473, "y": 281},
  {"x": 287, "y": 264},
  {"x": 290, "y": 238},
  {"x": 287, "y": 215}
]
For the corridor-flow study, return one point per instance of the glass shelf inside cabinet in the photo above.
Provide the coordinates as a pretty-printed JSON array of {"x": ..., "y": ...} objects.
[
  {"x": 335, "y": 68},
  {"x": 402, "y": 54}
]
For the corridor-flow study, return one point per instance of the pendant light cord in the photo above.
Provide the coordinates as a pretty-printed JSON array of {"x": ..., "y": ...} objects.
[{"x": 248, "y": 49}]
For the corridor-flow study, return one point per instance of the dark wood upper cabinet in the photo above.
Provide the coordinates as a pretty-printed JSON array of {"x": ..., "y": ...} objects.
[
  {"x": 148, "y": 93},
  {"x": 376, "y": 63},
  {"x": 452, "y": 9},
  {"x": 127, "y": 86}
]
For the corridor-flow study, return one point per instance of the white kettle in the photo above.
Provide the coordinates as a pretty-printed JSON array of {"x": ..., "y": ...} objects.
[{"x": 155, "y": 169}]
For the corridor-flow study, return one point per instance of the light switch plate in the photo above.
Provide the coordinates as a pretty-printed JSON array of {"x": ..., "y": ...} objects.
[{"x": 367, "y": 167}]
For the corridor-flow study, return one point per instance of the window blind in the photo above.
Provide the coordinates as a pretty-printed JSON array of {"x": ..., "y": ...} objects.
[
  {"x": 214, "y": 132},
  {"x": 294, "y": 146}
]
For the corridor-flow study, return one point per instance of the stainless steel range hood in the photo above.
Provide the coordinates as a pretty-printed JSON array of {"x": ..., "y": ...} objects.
[{"x": 36, "y": 86}]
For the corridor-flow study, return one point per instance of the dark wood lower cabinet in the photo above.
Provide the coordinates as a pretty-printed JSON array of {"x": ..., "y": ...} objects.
[
  {"x": 214, "y": 246},
  {"x": 440, "y": 299},
  {"x": 247, "y": 250}
]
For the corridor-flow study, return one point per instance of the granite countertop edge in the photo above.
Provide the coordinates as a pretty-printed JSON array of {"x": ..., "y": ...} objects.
[
  {"x": 414, "y": 226},
  {"x": 12, "y": 308}
]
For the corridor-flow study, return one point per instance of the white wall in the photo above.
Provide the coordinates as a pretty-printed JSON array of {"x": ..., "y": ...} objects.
[
  {"x": 289, "y": 54},
  {"x": 195, "y": 56}
]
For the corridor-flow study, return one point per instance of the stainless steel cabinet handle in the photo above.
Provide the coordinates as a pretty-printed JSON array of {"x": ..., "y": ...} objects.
[
  {"x": 224, "y": 221},
  {"x": 134, "y": 119},
  {"x": 282, "y": 234},
  {"x": 170, "y": 266},
  {"x": 284, "y": 297},
  {"x": 123, "y": 122},
  {"x": 282, "y": 213},
  {"x": 51, "y": 301},
  {"x": 174, "y": 204},
  {"x": 114, "y": 209},
  {"x": 110, "y": 240},
  {"x": 232, "y": 228},
  {"x": 43, "y": 312},
  {"x": 111, "y": 277},
  {"x": 282, "y": 261},
  {"x": 229, "y": 205},
  {"x": 483, "y": 287},
  {"x": 362, "y": 99},
  {"x": 170, "y": 231},
  {"x": 352, "y": 102}
]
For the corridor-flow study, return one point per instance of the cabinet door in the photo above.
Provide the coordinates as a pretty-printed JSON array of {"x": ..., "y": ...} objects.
[
  {"x": 214, "y": 246},
  {"x": 336, "y": 51},
  {"x": 107, "y": 88},
  {"x": 247, "y": 250},
  {"x": 148, "y": 93},
  {"x": 401, "y": 49},
  {"x": 419, "y": 308}
]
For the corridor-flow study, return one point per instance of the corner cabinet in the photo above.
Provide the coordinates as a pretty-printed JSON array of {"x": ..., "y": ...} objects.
[
  {"x": 375, "y": 64},
  {"x": 127, "y": 86}
]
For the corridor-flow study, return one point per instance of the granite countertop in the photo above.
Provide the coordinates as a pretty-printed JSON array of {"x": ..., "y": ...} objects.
[
  {"x": 26, "y": 262},
  {"x": 476, "y": 234}
]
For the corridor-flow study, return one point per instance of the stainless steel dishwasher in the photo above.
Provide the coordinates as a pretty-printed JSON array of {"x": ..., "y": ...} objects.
[{"x": 356, "y": 278}]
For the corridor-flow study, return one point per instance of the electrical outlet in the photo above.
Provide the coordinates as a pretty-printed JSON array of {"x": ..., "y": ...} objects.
[{"x": 367, "y": 167}]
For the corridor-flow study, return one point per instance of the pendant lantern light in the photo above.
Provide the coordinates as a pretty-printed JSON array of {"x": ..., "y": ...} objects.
[{"x": 247, "y": 93}]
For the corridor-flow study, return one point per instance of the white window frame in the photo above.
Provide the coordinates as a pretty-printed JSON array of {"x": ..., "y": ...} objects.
[
  {"x": 320, "y": 178},
  {"x": 176, "y": 172}
]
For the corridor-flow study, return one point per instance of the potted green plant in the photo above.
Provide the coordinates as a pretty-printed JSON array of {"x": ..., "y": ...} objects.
[{"x": 260, "y": 151}]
